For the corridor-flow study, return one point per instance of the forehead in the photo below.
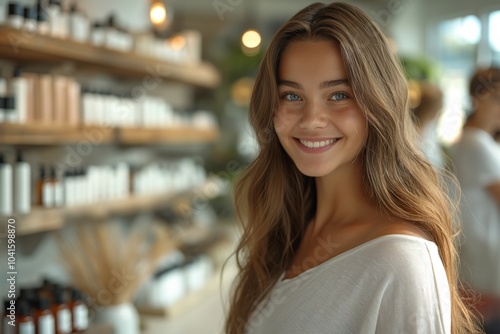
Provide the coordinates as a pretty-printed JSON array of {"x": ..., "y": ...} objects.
[{"x": 311, "y": 59}]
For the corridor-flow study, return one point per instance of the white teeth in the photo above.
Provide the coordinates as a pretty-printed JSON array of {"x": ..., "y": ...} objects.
[{"x": 317, "y": 144}]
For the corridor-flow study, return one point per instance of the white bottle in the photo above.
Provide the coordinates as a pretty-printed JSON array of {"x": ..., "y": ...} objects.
[
  {"x": 69, "y": 188},
  {"x": 58, "y": 188},
  {"x": 43, "y": 25},
  {"x": 79, "y": 24},
  {"x": 29, "y": 14},
  {"x": 54, "y": 10},
  {"x": 9, "y": 110},
  {"x": 5, "y": 188},
  {"x": 22, "y": 186},
  {"x": 3, "y": 92},
  {"x": 2, "y": 111},
  {"x": 15, "y": 15},
  {"x": 18, "y": 88},
  {"x": 47, "y": 189},
  {"x": 3, "y": 86}
]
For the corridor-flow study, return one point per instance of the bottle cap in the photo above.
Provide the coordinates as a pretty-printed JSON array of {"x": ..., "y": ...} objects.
[
  {"x": 23, "y": 308},
  {"x": 111, "y": 21},
  {"x": 41, "y": 14},
  {"x": 42, "y": 303},
  {"x": 59, "y": 296},
  {"x": 76, "y": 295},
  {"x": 2, "y": 159},
  {"x": 17, "y": 72},
  {"x": 29, "y": 13},
  {"x": 19, "y": 157},
  {"x": 15, "y": 9},
  {"x": 42, "y": 172},
  {"x": 28, "y": 294},
  {"x": 2, "y": 102},
  {"x": 53, "y": 174},
  {"x": 55, "y": 2},
  {"x": 9, "y": 103}
]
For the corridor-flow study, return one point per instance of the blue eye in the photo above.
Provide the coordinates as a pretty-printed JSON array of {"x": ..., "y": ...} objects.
[
  {"x": 291, "y": 97},
  {"x": 339, "y": 96}
]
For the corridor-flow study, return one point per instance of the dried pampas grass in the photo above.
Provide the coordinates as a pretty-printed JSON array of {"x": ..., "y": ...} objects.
[{"x": 107, "y": 263}]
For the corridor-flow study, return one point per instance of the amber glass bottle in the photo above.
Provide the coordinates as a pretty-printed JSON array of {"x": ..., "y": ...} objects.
[
  {"x": 61, "y": 312},
  {"x": 79, "y": 312},
  {"x": 25, "y": 323},
  {"x": 44, "y": 319}
]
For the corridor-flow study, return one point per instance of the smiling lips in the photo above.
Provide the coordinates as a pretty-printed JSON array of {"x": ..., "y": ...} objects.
[{"x": 318, "y": 144}]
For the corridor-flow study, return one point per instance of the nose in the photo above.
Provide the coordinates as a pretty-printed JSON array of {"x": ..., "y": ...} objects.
[{"x": 314, "y": 116}]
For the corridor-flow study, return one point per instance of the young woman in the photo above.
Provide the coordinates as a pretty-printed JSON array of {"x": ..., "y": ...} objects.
[{"x": 346, "y": 227}]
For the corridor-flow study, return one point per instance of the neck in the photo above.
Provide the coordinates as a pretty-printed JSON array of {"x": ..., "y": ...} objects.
[
  {"x": 479, "y": 125},
  {"x": 342, "y": 198}
]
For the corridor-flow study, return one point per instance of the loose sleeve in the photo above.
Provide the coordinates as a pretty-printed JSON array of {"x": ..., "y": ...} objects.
[{"x": 417, "y": 300}]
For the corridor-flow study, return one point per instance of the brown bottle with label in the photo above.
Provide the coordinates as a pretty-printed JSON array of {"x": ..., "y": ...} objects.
[
  {"x": 79, "y": 312},
  {"x": 44, "y": 319},
  {"x": 25, "y": 323},
  {"x": 61, "y": 311}
]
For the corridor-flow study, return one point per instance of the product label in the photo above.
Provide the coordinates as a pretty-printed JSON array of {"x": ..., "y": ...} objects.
[
  {"x": 46, "y": 324},
  {"x": 64, "y": 321},
  {"x": 26, "y": 328},
  {"x": 48, "y": 195},
  {"x": 58, "y": 194},
  {"x": 81, "y": 317}
]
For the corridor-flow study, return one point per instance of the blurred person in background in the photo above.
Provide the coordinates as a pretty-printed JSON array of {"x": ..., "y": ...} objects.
[
  {"x": 425, "y": 117},
  {"x": 476, "y": 159}
]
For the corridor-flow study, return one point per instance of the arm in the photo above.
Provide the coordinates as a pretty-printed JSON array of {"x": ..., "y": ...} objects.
[{"x": 494, "y": 190}]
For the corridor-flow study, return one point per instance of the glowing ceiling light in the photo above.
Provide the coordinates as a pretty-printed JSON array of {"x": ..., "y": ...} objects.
[
  {"x": 251, "y": 39},
  {"x": 471, "y": 29},
  {"x": 158, "y": 13}
]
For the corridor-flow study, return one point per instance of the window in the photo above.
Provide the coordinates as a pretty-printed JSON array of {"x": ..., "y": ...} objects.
[
  {"x": 456, "y": 45},
  {"x": 494, "y": 36}
]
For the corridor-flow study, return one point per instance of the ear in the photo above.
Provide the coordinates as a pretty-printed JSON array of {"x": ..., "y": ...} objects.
[{"x": 475, "y": 102}]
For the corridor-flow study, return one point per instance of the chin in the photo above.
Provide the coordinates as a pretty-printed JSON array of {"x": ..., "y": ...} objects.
[{"x": 314, "y": 171}]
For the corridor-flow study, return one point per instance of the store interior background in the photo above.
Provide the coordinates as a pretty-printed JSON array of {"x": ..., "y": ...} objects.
[{"x": 451, "y": 38}]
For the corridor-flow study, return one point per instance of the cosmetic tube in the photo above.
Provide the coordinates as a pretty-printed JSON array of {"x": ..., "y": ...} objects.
[
  {"x": 22, "y": 186},
  {"x": 18, "y": 88}
]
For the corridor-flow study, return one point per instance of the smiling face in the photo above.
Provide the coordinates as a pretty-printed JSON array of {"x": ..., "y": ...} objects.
[{"x": 318, "y": 123}]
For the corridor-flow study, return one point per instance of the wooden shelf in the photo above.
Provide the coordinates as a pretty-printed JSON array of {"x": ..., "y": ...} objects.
[
  {"x": 25, "y": 47},
  {"x": 190, "y": 301},
  {"x": 41, "y": 134},
  {"x": 42, "y": 219},
  {"x": 169, "y": 135},
  {"x": 44, "y": 134}
]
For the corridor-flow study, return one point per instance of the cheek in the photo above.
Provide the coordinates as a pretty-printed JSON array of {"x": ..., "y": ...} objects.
[
  {"x": 282, "y": 121},
  {"x": 357, "y": 124}
]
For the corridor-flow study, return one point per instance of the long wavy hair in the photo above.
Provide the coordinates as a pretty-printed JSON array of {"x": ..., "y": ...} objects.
[{"x": 274, "y": 200}]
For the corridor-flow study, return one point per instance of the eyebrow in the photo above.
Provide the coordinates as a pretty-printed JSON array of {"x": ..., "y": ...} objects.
[{"x": 323, "y": 85}]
